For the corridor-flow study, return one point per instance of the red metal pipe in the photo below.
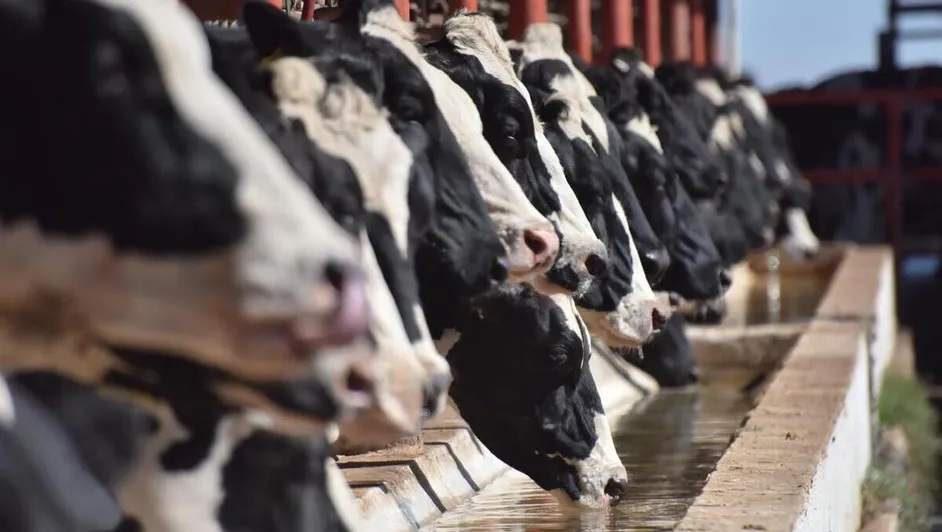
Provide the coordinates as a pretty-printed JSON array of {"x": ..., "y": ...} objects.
[
  {"x": 526, "y": 12},
  {"x": 698, "y": 33},
  {"x": 307, "y": 10},
  {"x": 403, "y": 7},
  {"x": 470, "y": 5},
  {"x": 851, "y": 97},
  {"x": 651, "y": 31},
  {"x": 579, "y": 29},
  {"x": 679, "y": 30},
  {"x": 893, "y": 187},
  {"x": 714, "y": 53},
  {"x": 618, "y": 26},
  {"x": 220, "y": 9}
]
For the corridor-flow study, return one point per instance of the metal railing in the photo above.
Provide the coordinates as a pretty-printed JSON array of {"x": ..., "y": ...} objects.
[{"x": 893, "y": 173}]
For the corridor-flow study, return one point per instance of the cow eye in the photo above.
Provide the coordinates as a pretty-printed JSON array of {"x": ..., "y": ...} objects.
[{"x": 559, "y": 356}]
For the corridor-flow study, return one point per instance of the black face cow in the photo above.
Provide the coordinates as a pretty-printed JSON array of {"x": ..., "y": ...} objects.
[
  {"x": 696, "y": 270},
  {"x": 542, "y": 413},
  {"x": 473, "y": 55},
  {"x": 621, "y": 308},
  {"x": 234, "y": 178},
  {"x": 202, "y": 231}
]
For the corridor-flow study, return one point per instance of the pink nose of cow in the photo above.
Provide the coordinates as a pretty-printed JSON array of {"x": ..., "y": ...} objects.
[
  {"x": 543, "y": 244},
  {"x": 348, "y": 318}
]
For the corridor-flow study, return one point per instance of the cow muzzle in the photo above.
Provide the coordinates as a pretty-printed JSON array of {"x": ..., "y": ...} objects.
[{"x": 532, "y": 252}]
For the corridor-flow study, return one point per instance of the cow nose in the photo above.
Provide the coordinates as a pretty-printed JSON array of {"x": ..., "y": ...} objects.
[
  {"x": 543, "y": 244},
  {"x": 499, "y": 269},
  {"x": 658, "y": 320},
  {"x": 433, "y": 393},
  {"x": 726, "y": 280},
  {"x": 596, "y": 265},
  {"x": 655, "y": 263},
  {"x": 616, "y": 488},
  {"x": 349, "y": 316}
]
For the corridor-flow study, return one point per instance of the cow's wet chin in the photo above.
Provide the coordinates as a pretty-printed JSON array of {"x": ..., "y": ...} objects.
[
  {"x": 590, "y": 499},
  {"x": 620, "y": 329}
]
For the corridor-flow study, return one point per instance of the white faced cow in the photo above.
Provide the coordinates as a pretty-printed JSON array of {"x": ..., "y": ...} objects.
[{"x": 476, "y": 58}]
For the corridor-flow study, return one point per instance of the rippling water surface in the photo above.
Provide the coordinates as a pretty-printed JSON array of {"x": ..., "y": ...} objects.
[{"x": 668, "y": 444}]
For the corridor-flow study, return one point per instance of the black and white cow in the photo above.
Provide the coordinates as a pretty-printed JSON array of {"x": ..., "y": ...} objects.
[
  {"x": 523, "y": 384},
  {"x": 61, "y": 449},
  {"x": 367, "y": 187},
  {"x": 531, "y": 238},
  {"x": 700, "y": 173},
  {"x": 792, "y": 191},
  {"x": 622, "y": 309},
  {"x": 416, "y": 91},
  {"x": 705, "y": 102},
  {"x": 697, "y": 166},
  {"x": 226, "y": 173},
  {"x": 195, "y": 258},
  {"x": 216, "y": 484},
  {"x": 472, "y": 53},
  {"x": 696, "y": 270}
]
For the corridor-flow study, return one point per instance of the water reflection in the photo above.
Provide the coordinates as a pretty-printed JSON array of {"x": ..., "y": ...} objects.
[
  {"x": 669, "y": 445},
  {"x": 777, "y": 298}
]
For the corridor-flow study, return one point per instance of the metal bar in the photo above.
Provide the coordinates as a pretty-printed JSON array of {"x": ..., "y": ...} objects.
[
  {"x": 307, "y": 10},
  {"x": 920, "y": 245},
  {"x": 919, "y": 8},
  {"x": 920, "y": 174},
  {"x": 579, "y": 29},
  {"x": 713, "y": 50},
  {"x": 470, "y": 5},
  {"x": 828, "y": 176},
  {"x": 698, "y": 33},
  {"x": 920, "y": 35},
  {"x": 526, "y": 12},
  {"x": 679, "y": 30},
  {"x": 403, "y": 7},
  {"x": 221, "y": 9},
  {"x": 893, "y": 186},
  {"x": 851, "y": 97},
  {"x": 925, "y": 174},
  {"x": 733, "y": 46},
  {"x": 651, "y": 31},
  {"x": 618, "y": 26}
]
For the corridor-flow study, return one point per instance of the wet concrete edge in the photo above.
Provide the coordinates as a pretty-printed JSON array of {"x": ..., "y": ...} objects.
[{"x": 799, "y": 459}]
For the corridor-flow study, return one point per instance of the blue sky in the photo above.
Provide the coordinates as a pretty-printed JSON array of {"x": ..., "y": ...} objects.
[{"x": 787, "y": 42}]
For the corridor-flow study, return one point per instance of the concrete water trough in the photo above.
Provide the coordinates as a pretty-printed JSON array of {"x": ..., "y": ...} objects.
[{"x": 786, "y": 454}]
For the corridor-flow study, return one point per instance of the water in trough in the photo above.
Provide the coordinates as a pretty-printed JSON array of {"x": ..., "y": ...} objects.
[
  {"x": 774, "y": 297},
  {"x": 669, "y": 443}
]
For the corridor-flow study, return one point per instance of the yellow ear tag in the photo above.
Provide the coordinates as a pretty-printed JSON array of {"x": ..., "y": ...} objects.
[{"x": 270, "y": 58}]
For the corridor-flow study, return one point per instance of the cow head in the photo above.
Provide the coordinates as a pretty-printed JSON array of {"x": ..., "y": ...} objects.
[
  {"x": 181, "y": 225},
  {"x": 695, "y": 270},
  {"x": 702, "y": 97},
  {"x": 475, "y": 57},
  {"x": 522, "y": 382},
  {"x": 529, "y": 237},
  {"x": 622, "y": 306},
  {"x": 458, "y": 253},
  {"x": 344, "y": 121}
]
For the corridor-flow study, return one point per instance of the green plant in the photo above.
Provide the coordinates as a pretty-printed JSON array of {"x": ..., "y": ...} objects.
[{"x": 905, "y": 404}]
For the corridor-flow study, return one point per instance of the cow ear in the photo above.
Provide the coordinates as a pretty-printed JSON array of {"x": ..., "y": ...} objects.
[{"x": 272, "y": 30}]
